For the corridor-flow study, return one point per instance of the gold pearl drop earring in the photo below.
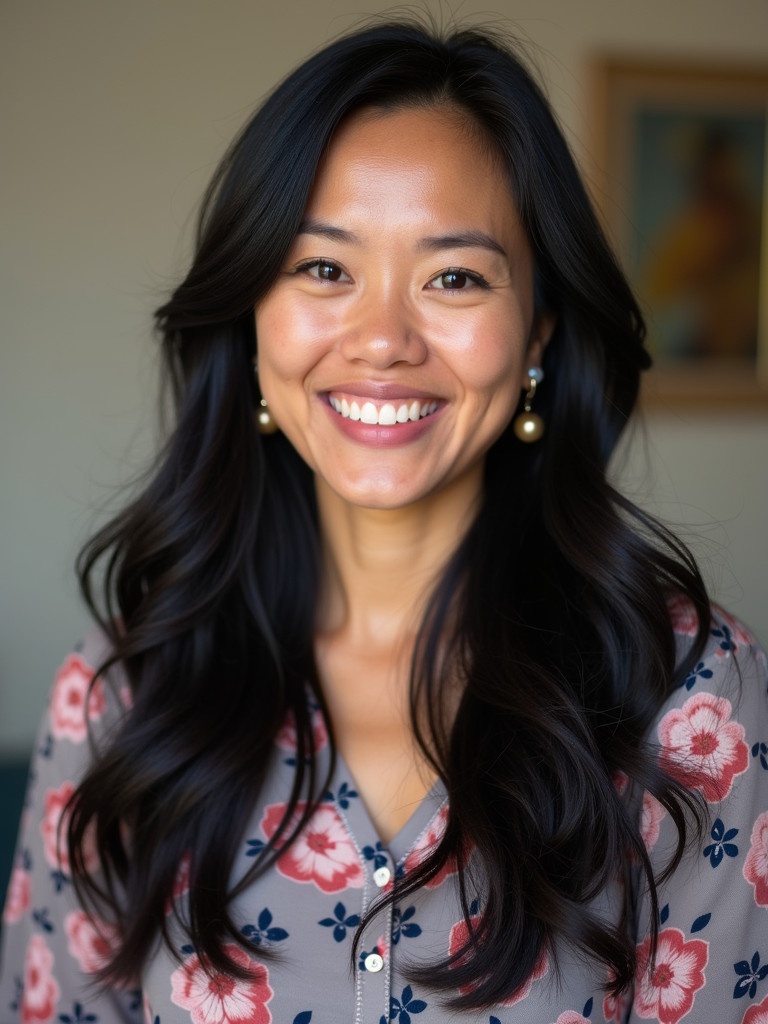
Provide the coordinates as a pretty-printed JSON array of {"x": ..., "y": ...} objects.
[
  {"x": 265, "y": 421},
  {"x": 528, "y": 425}
]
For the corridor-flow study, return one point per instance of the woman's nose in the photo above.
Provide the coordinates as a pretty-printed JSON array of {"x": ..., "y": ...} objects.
[{"x": 384, "y": 330}]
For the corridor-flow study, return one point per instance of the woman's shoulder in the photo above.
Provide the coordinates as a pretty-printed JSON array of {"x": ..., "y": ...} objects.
[
  {"x": 713, "y": 726},
  {"x": 90, "y": 695},
  {"x": 732, "y": 655}
]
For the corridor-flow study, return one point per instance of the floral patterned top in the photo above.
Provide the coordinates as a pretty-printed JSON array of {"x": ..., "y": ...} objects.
[{"x": 712, "y": 960}]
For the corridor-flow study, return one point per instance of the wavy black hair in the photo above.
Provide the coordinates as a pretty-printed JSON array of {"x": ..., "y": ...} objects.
[{"x": 553, "y": 609}]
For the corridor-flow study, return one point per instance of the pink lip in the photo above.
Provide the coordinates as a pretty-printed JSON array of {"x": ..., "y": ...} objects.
[{"x": 376, "y": 436}]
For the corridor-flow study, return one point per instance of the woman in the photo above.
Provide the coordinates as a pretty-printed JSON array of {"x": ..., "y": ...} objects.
[{"x": 401, "y": 710}]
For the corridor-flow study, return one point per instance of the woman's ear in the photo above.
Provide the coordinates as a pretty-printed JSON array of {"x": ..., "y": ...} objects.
[{"x": 541, "y": 332}]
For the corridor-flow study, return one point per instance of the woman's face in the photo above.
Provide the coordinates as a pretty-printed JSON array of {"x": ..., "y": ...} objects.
[{"x": 393, "y": 346}]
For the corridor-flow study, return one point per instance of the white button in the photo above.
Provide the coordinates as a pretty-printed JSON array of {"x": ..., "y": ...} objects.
[
  {"x": 373, "y": 963},
  {"x": 381, "y": 876}
]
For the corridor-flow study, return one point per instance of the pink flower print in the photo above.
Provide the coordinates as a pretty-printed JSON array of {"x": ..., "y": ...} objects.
[
  {"x": 756, "y": 863},
  {"x": 682, "y": 615},
  {"x": 54, "y": 844},
  {"x": 286, "y": 737},
  {"x": 323, "y": 853},
  {"x": 69, "y": 718},
  {"x": 426, "y": 843},
  {"x": 213, "y": 997},
  {"x": 757, "y": 1014},
  {"x": 650, "y": 823},
  {"x": 615, "y": 1007},
  {"x": 181, "y": 881},
  {"x": 665, "y": 991},
  {"x": 457, "y": 939},
  {"x": 55, "y": 835},
  {"x": 620, "y": 782},
  {"x": 571, "y": 1017},
  {"x": 41, "y": 990},
  {"x": 19, "y": 896},
  {"x": 89, "y": 940},
  {"x": 703, "y": 748}
]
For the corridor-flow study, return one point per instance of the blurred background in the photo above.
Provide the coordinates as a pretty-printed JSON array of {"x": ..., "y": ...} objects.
[{"x": 112, "y": 118}]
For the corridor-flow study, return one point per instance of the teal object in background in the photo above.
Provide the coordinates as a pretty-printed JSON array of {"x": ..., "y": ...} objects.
[{"x": 13, "y": 781}]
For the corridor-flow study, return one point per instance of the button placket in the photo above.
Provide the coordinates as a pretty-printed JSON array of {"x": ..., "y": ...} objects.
[{"x": 375, "y": 967}]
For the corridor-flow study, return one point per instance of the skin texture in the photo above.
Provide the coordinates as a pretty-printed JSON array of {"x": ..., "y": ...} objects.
[{"x": 411, "y": 280}]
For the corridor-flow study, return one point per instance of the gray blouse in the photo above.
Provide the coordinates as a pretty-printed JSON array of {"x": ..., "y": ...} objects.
[{"x": 711, "y": 965}]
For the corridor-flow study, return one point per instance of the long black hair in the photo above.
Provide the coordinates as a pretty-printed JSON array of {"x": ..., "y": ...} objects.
[{"x": 553, "y": 609}]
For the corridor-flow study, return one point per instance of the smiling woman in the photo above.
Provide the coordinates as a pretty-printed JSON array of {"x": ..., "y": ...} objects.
[
  {"x": 396, "y": 708},
  {"x": 402, "y": 322}
]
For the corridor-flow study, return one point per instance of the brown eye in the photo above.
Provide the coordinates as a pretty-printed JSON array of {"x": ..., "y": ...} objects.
[
  {"x": 454, "y": 279},
  {"x": 329, "y": 271},
  {"x": 323, "y": 270}
]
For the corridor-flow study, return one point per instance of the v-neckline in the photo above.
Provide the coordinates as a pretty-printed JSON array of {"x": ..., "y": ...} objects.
[{"x": 361, "y": 825}]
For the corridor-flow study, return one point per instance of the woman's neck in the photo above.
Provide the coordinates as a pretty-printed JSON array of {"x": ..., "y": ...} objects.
[
  {"x": 379, "y": 569},
  {"x": 379, "y": 566}
]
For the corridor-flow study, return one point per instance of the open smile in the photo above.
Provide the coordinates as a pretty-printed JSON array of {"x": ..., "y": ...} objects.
[{"x": 385, "y": 414}]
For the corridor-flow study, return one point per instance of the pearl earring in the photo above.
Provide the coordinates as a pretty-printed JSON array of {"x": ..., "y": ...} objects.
[
  {"x": 528, "y": 425},
  {"x": 265, "y": 421}
]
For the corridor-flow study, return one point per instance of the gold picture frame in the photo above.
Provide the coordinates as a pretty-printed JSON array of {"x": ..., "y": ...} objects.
[{"x": 681, "y": 181}]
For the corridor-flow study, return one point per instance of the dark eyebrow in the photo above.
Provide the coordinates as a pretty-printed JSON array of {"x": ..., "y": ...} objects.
[
  {"x": 464, "y": 240},
  {"x": 434, "y": 243},
  {"x": 317, "y": 227}
]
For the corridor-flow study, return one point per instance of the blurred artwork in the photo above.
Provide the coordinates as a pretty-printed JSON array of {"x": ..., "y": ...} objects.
[
  {"x": 698, "y": 207},
  {"x": 682, "y": 185}
]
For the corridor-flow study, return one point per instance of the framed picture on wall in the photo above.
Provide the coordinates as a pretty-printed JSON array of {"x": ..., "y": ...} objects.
[{"x": 681, "y": 179}]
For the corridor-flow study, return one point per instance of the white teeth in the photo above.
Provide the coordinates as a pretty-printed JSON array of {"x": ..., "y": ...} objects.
[
  {"x": 369, "y": 413},
  {"x": 387, "y": 416}
]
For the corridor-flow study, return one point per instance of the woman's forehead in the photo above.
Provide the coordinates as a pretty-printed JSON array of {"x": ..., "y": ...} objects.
[{"x": 420, "y": 156}]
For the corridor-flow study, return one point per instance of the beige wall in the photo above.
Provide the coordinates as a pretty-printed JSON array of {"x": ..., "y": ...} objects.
[{"x": 113, "y": 115}]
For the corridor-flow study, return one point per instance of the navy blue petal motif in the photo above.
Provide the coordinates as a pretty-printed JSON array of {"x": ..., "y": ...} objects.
[
  {"x": 60, "y": 880},
  {"x": 78, "y": 1016},
  {"x": 761, "y": 750},
  {"x": 343, "y": 797},
  {"x": 264, "y": 931},
  {"x": 722, "y": 845},
  {"x": 340, "y": 922},
  {"x": 749, "y": 975},
  {"x": 303, "y": 1018},
  {"x": 401, "y": 1009},
  {"x": 700, "y": 672},
  {"x": 403, "y": 926},
  {"x": 377, "y": 854},
  {"x": 42, "y": 918},
  {"x": 700, "y": 922},
  {"x": 723, "y": 634}
]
